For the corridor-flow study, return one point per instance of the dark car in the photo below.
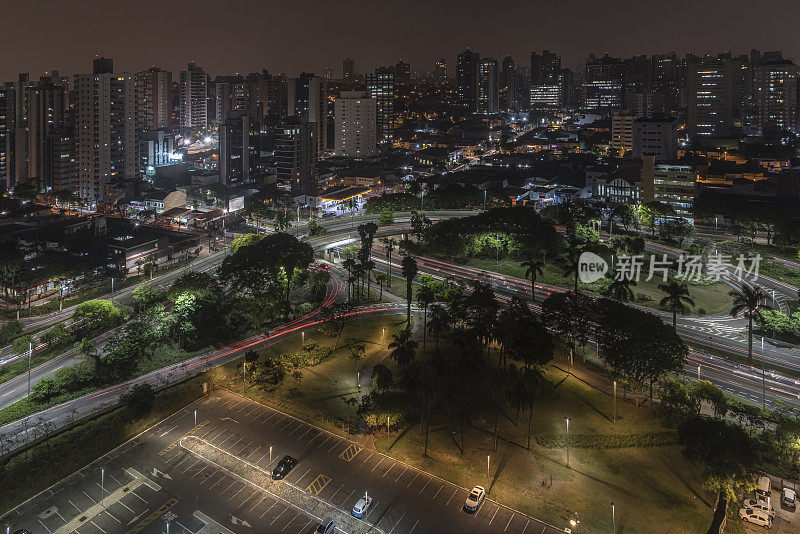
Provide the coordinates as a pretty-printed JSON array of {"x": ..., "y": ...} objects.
[{"x": 284, "y": 466}]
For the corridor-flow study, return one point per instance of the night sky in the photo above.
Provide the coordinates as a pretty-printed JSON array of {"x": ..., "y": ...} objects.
[{"x": 227, "y": 36}]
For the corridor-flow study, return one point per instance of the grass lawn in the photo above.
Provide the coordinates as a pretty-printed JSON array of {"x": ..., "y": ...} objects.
[
  {"x": 711, "y": 299},
  {"x": 654, "y": 488}
]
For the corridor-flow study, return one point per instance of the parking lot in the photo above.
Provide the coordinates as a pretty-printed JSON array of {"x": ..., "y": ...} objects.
[{"x": 152, "y": 480}]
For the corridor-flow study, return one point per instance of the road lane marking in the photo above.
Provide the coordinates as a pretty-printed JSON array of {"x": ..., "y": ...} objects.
[
  {"x": 175, "y": 443},
  {"x": 155, "y": 514}
]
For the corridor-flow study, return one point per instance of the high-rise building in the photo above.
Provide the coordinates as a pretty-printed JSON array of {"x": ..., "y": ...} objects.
[
  {"x": 655, "y": 136},
  {"x": 60, "y": 170},
  {"x": 601, "y": 95},
  {"x": 672, "y": 184},
  {"x": 545, "y": 96},
  {"x": 105, "y": 131},
  {"x": 712, "y": 95},
  {"x": 402, "y": 74},
  {"x": 6, "y": 134},
  {"x": 666, "y": 78},
  {"x": 622, "y": 132},
  {"x": 230, "y": 95},
  {"x": 545, "y": 68},
  {"x": 153, "y": 99},
  {"x": 349, "y": 70},
  {"x": 488, "y": 86},
  {"x": 440, "y": 71},
  {"x": 276, "y": 95},
  {"x": 604, "y": 68},
  {"x": 194, "y": 98},
  {"x": 356, "y": 123},
  {"x": 296, "y": 155},
  {"x": 508, "y": 85},
  {"x": 47, "y": 112},
  {"x": 380, "y": 86},
  {"x": 307, "y": 99},
  {"x": 775, "y": 84},
  {"x": 467, "y": 78},
  {"x": 239, "y": 149}
]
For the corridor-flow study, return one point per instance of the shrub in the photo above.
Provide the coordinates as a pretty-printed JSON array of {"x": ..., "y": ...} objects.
[
  {"x": 609, "y": 441},
  {"x": 9, "y": 330},
  {"x": 377, "y": 406}
]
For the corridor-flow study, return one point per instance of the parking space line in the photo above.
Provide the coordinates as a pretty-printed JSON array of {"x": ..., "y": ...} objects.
[
  {"x": 376, "y": 465},
  {"x": 263, "y": 497},
  {"x": 304, "y": 527},
  {"x": 45, "y": 526},
  {"x": 218, "y": 481},
  {"x": 451, "y": 497},
  {"x": 437, "y": 492},
  {"x": 229, "y": 487},
  {"x": 398, "y": 522},
  {"x": 387, "y": 471},
  {"x": 326, "y": 440},
  {"x": 277, "y": 516},
  {"x": 336, "y": 444},
  {"x": 494, "y": 514},
  {"x": 94, "y": 501},
  {"x": 73, "y": 504},
  {"x": 309, "y": 429},
  {"x": 237, "y": 493},
  {"x": 296, "y": 429},
  {"x": 268, "y": 509},
  {"x": 126, "y": 506},
  {"x": 367, "y": 459},
  {"x": 401, "y": 474},
  {"x": 526, "y": 526},
  {"x": 112, "y": 517},
  {"x": 426, "y": 485},
  {"x": 175, "y": 443},
  {"x": 98, "y": 526},
  {"x": 413, "y": 479},
  {"x": 301, "y": 476},
  {"x": 155, "y": 514},
  {"x": 412, "y": 528},
  {"x": 509, "y": 521}
]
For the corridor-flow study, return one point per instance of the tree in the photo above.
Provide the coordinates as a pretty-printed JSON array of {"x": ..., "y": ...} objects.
[
  {"x": 85, "y": 347},
  {"x": 409, "y": 269},
  {"x": 291, "y": 255},
  {"x": 9, "y": 330},
  {"x": 747, "y": 300},
  {"x": 56, "y": 335},
  {"x": 439, "y": 323},
  {"x": 676, "y": 299},
  {"x": 625, "y": 214},
  {"x": 244, "y": 240},
  {"x": 381, "y": 377},
  {"x": 382, "y": 279},
  {"x": 533, "y": 268},
  {"x": 22, "y": 344},
  {"x": 404, "y": 347},
  {"x": 386, "y": 218},
  {"x": 637, "y": 345},
  {"x": 620, "y": 289},
  {"x": 335, "y": 318},
  {"x": 146, "y": 295},
  {"x": 425, "y": 297},
  {"x": 729, "y": 455},
  {"x": 96, "y": 314},
  {"x": 318, "y": 284},
  {"x": 390, "y": 246},
  {"x": 138, "y": 400}
]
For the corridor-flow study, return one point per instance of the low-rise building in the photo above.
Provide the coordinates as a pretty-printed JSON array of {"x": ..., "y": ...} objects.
[{"x": 670, "y": 183}]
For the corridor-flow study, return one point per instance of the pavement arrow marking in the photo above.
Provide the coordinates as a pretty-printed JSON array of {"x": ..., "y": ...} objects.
[
  {"x": 236, "y": 521},
  {"x": 156, "y": 473}
]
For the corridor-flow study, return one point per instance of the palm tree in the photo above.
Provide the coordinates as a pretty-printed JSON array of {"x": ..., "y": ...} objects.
[
  {"x": 390, "y": 244},
  {"x": 533, "y": 268},
  {"x": 747, "y": 301},
  {"x": 409, "y": 266},
  {"x": 405, "y": 347},
  {"x": 676, "y": 300},
  {"x": 381, "y": 278},
  {"x": 440, "y": 322},
  {"x": 425, "y": 296},
  {"x": 620, "y": 289}
]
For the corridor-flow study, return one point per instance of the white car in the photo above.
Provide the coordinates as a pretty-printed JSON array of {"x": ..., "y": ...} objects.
[
  {"x": 789, "y": 497},
  {"x": 757, "y": 517},
  {"x": 759, "y": 505},
  {"x": 474, "y": 499},
  {"x": 362, "y": 506}
]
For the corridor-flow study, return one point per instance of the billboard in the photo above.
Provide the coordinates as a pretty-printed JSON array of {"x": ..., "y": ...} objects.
[{"x": 235, "y": 204}]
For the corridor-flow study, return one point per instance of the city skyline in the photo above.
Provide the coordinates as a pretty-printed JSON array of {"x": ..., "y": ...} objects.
[{"x": 246, "y": 41}]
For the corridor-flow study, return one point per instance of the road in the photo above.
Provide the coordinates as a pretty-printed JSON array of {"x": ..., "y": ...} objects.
[
  {"x": 171, "y": 484},
  {"x": 721, "y": 333}
]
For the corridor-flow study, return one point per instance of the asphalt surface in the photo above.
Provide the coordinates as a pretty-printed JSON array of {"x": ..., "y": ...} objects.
[{"x": 171, "y": 484}]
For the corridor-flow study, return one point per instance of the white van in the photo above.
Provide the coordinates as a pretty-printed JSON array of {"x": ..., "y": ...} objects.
[{"x": 763, "y": 487}]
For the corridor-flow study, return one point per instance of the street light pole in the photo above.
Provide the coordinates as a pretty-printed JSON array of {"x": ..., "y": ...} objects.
[
  {"x": 613, "y": 519},
  {"x": 30, "y": 353},
  {"x": 195, "y": 420},
  {"x": 763, "y": 378},
  {"x": 387, "y": 433},
  {"x": 488, "y": 476},
  {"x": 567, "y": 419},
  {"x": 615, "y": 401},
  {"x": 698, "y": 372},
  {"x": 103, "y": 485}
]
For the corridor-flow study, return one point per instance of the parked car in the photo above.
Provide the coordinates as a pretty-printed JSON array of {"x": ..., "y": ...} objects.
[
  {"x": 759, "y": 505},
  {"x": 326, "y": 527},
  {"x": 757, "y": 517},
  {"x": 284, "y": 466},
  {"x": 474, "y": 499},
  {"x": 763, "y": 487},
  {"x": 362, "y": 506},
  {"x": 789, "y": 497}
]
